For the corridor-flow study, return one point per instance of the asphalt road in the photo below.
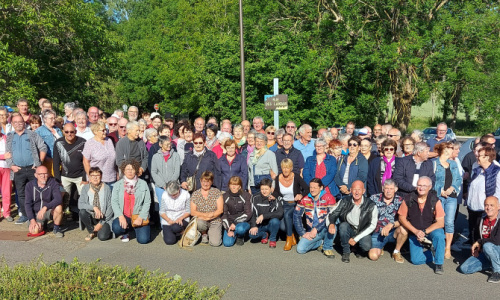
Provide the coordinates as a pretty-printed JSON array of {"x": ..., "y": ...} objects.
[{"x": 254, "y": 271}]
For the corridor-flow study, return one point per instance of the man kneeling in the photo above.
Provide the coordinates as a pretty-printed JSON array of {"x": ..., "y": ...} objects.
[
  {"x": 388, "y": 227},
  {"x": 43, "y": 202},
  {"x": 486, "y": 250}
]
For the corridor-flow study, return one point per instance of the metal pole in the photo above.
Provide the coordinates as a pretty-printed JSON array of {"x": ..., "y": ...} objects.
[
  {"x": 242, "y": 67},
  {"x": 276, "y": 112}
]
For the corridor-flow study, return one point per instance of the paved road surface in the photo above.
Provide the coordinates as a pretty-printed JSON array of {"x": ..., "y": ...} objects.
[{"x": 255, "y": 271}]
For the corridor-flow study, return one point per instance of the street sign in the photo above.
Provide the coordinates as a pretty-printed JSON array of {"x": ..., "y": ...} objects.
[
  {"x": 276, "y": 102},
  {"x": 157, "y": 106},
  {"x": 124, "y": 107}
]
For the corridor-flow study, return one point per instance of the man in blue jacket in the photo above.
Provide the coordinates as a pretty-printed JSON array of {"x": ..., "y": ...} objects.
[{"x": 43, "y": 202}]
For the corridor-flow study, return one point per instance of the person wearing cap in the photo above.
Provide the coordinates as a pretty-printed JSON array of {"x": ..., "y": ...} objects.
[
  {"x": 169, "y": 120},
  {"x": 363, "y": 134}
]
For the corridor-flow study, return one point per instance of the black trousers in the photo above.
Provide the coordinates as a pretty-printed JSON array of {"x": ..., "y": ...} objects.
[
  {"x": 21, "y": 178},
  {"x": 89, "y": 222}
]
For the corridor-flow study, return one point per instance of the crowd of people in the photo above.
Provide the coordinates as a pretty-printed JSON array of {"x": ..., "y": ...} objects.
[{"x": 129, "y": 173}]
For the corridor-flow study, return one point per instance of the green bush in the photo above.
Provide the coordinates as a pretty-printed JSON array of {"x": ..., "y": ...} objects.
[{"x": 78, "y": 280}]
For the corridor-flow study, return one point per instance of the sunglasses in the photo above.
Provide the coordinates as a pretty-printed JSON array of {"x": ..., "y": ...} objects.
[
  {"x": 198, "y": 143},
  {"x": 271, "y": 133},
  {"x": 353, "y": 144},
  {"x": 113, "y": 124},
  {"x": 389, "y": 149},
  {"x": 68, "y": 132},
  {"x": 123, "y": 127}
]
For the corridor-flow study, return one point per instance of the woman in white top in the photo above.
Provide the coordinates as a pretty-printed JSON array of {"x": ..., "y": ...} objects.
[
  {"x": 5, "y": 176},
  {"x": 174, "y": 212}
]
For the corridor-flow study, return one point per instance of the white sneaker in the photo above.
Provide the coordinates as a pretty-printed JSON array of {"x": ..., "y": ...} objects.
[{"x": 125, "y": 238}]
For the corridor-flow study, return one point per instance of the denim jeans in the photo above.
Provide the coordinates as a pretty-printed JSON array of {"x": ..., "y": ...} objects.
[
  {"x": 417, "y": 254},
  {"x": 488, "y": 258},
  {"x": 171, "y": 233},
  {"x": 239, "y": 232},
  {"x": 323, "y": 237},
  {"x": 159, "y": 193},
  {"x": 346, "y": 232},
  {"x": 273, "y": 226},
  {"x": 450, "y": 207},
  {"x": 143, "y": 234},
  {"x": 287, "y": 221}
]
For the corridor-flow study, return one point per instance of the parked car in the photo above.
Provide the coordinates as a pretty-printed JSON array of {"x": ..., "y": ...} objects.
[
  {"x": 469, "y": 144},
  {"x": 497, "y": 132},
  {"x": 430, "y": 133}
]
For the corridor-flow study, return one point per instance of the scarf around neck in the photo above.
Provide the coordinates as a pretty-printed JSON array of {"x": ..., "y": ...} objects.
[
  {"x": 130, "y": 184},
  {"x": 388, "y": 168},
  {"x": 96, "y": 189}
]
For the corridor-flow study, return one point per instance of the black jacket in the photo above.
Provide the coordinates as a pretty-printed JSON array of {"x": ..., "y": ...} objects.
[
  {"x": 494, "y": 234},
  {"x": 269, "y": 209},
  {"x": 374, "y": 180},
  {"x": 299, "y": 186},
  {"x": 209, "y": 162},
  {"x": 404, "y": 170},
  {"x": 346, "y": 205}
]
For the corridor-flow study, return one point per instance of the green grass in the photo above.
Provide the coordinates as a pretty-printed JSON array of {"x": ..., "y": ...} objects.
[{"x": 78, "y": 280}]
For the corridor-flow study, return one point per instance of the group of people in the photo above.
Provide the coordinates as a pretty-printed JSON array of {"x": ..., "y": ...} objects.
[{"x": 369, "y": 186}]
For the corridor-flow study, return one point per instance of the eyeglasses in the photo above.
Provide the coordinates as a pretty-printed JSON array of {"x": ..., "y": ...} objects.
[
  {"x": 406, "y": 145},
  {"x": 69, "y": 132},
  {"x": 389, "y": 149},
  {"x": 113, "y": 124},
  {"x": 270, "y": 132},
  {"x": 353, "y": 144},
  {"x": 198, "y": 143},
  {"x": 450, "y": 147},
  {"x": 392, "y": 135},
  {"x": 123, "y": 127},
  {"x": 95, "y": 175},
  {"x": 290, "y": 127},
  {"x": 103, "y": 130}
]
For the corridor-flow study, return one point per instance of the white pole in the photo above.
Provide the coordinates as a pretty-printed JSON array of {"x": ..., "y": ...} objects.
[{"x": 276, "y": 112}]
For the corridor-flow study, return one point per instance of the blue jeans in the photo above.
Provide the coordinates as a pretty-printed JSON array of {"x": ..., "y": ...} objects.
[
  {"x": 239, "y": 232},
  {"x": 488, "y": 258},
  {"x": 417, "y": 254},
  {"x": 110, "y": 184},
  {"x": 323, "y": 237},
  {"x": 346, "y": 232},
  {"x": 379, "y": 241},
  {"x": 143, "y": 234},
  {"x": 450, "y": 207},
  {"x": 287, "y": 221},
  {"x": 273, "y": 226},
  {"x": 159, "y": 192}
]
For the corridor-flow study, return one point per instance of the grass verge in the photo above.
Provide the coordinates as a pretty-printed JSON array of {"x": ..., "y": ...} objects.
[{"x": 78, "y": 280}]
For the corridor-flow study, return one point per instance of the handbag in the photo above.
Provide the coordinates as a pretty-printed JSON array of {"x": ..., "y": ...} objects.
[
  {"x": 191, "y": 234},
  {"x": 191, "y": 180},
  {"x": 134, "y": 217}
]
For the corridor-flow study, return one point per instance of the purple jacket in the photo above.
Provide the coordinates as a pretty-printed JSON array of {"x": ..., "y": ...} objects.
[{"x": 36, "y": 197}]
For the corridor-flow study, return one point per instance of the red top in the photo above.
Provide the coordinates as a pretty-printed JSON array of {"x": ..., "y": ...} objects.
[
  {"x": 321, "y": 172},
  {"x": 487, "y": 226},
  {"x": 128, "y": 204}
]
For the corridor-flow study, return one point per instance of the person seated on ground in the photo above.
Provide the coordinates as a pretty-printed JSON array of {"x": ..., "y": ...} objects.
[
  {"x": 316, "y": 206},
  {"x": 266, "y": 216},
  {"x": 207, "y": 205},
  {"x": 388, "y": 229},
  {"x": 291, "y": 188},
  {"x": 174, "y": 211},
  {"x": 131, "y": 202},
  {"x": 358, "y": 218},
  {"x": 486, "y": 250},
  {"x": 237, "y": 213},
  {"x": 43, "y": 202},
  {"x": 381, "y": 168},
  {"x": 96, "y": 212},
  {"x": 422, "y": 215}
]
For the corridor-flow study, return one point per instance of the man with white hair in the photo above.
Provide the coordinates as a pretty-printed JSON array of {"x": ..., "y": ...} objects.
[
  {"x": 118, "y": 113},
  {"x": 199, "y": 125},
  {"x": 93, "y": 114},
  {"x": 258, "y": 124},
  {"x": 441, "y": 130},
  {"x": 305, "y": 144},
  {"x": 132, "y": 147},
  {"x": 133, "y": 113},
  {"x": 291, "y": 128},
  {"x": 112, "y": 123}
]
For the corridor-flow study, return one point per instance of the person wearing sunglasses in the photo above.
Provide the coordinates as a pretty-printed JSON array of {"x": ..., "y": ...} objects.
[
  {"x": 68, "y": 159},
  {"x": 198, "y": 161},
  {"x": 381, "y": 168},
  {"x": 351, "y": 167},
  {"x": 271, "y": 137},
  {"x": 447, "y": 186}
]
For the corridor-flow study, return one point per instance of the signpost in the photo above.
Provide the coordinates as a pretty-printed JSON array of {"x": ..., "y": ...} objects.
[
  {"x": 276, "y": 102},
  {"x": 156, "y": 107}
]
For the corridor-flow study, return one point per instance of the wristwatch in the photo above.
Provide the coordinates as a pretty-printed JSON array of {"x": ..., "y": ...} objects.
[{"x": 425, "y": 232}]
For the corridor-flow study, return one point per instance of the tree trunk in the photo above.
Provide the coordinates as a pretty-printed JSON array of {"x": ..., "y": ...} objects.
[
  {"x": 455, "y": 101},
  {"x": 403, "y": 90}
]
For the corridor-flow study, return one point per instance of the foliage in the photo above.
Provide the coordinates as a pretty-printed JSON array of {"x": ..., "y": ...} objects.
[
  {"x": 77, "y": 280},
  {"x": 60, "y": 50}
]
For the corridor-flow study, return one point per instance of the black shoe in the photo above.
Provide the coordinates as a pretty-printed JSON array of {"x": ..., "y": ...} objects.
[
  {"x": 359, "y": 255},
  {"x": 494, "y": 278},
  {"x": 345, "y": 257},
  {"x": 439, "y": 270},
  {"x": 240, "y": 241}
]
